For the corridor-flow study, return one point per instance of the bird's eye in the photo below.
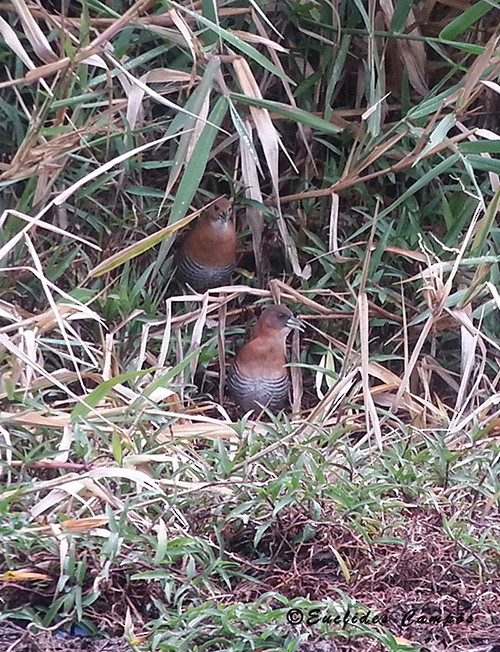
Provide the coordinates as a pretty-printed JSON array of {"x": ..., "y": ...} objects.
[{"x": 283, "y": 316}]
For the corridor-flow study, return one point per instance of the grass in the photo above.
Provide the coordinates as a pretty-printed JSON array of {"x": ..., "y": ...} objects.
[{"x": 360, "y": 143}]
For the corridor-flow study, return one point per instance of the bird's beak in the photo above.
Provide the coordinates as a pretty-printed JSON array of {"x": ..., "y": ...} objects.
[{"x": 294, "y": 323}]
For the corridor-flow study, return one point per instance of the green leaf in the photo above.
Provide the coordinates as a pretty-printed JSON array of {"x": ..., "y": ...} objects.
[
  {"x": 260, "y": 531},
  {"x": 438, "y": 134},
  {"x": 187, "y": 123},
  {"x": 484, "y": 163},
  {"x": 101, "y": 391},
  {"x": 480, "y": 146},
  {"x": 167, "y": 378},
  {"x": 443, "y": 167},
  {"x": 291, "y": 112},
  {"x": 431, "y": 104},
  {"x": 193, "y": 173},
  {"x": 116, "y": 444},
  {"x": 209, "y": 10},
  {"x": 337, "y": 71},
  {"x": 195, "y": 101},
  {"x": 400, "y": 15},
  {"x": 242, "y": 131},
  {"x": 465, "y": 20},
  {"x": 485, "y": 225}
]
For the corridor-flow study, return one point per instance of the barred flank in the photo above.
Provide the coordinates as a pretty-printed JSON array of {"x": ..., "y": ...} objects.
[
  {"x": 200, "y": 277},
  {"x": 270, "y": 392}
]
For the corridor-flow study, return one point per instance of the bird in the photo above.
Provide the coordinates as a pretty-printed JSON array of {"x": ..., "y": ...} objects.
[
  {"x": 207, "y": 256},
  {"x": 258, "y": 376}
]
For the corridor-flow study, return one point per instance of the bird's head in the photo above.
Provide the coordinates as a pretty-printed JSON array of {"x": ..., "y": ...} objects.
[
  {"x": 212, "y": 240},
  {"x": 221, "y": 210},
  {"x": 278, "y": 319}
]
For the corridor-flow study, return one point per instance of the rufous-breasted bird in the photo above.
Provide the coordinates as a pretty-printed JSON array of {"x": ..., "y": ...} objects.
[
  {"x": 258, "y": 376},
  {"x": 207, "y": 256}
]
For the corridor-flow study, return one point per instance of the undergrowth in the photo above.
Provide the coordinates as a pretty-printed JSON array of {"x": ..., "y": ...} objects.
[{"x": 360, "y": 143}]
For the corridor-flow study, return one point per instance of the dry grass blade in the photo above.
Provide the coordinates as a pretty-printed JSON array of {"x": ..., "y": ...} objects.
[
  {"x": 196, "y": 337},
  {"x": 257, "y": 10},
  {"x": 372, "y": 421},
  {"x": 260, "y": 40},
  {"x": 492, "y": 85},
  {"x": 7, "y": 452},
  {"x": 143, "y": 245},
  {"x": 333, "y": 239},
  {"x": 373, "y": 156},
  {"x": 35, "y": 419},
  {"x": 197, "y": 131},
  {"x": 199, "y": 104},
  {"x": 485, "y": 62},
  {"x": 60, "y": 316},
  {"x": 330, "y": 403},
  {"x": 20, "y": 355},
  {"x": 66, "y": 194},
  {"x": 486, "y": 134},
  {"x": 266, "y": 131},
  {"x": 187, "y": 34},
  {"x": 296, "y": 374},
  {"x": 68, "y": 489},
  {"x": 154, "y": 95},
  {"x": 72, "y": 525},
  {"x": 11, "y": 39},
  {"x": 34, "y": 34},
  {"x": 136, "y": 93},
  {"x": 116, "y": 26},
  {"x": 42, "y": 225},
  {"x": 471, "y": 339},
  {"x": 411, "y": 52},
  {"x": 201, "y": 427},
  {"x": 53, "y": 305},
  {"x": 251, "y": 183},
  {"x": 344, "y": 183},
  {"x": 221, "y": 349},
  {"x": 270, "y": 142},
  {"x": 273, "y": 48}
]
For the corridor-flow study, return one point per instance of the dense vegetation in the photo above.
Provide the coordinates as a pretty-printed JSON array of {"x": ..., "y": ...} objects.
[{"x": 360, "y": 143}]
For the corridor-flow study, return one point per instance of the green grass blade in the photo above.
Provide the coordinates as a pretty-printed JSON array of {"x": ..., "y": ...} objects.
[
  {"x": 441, "y": 168},
  {"x": 465, "y": 20},
  {"x": 81, "y": 410},
  {"x": 290, "y": 112}
]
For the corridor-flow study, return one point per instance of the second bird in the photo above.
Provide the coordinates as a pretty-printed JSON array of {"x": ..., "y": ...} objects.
[
  {"x": 207, "y": 255},
  {"x": 259, "y": 376}
]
